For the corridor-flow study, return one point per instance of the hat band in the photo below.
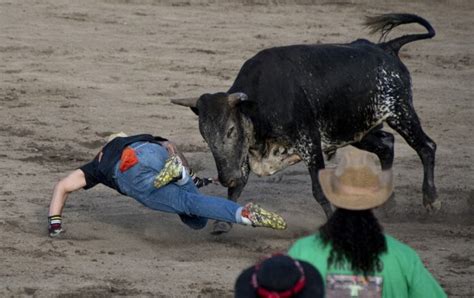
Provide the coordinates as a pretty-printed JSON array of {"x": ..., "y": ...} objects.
[
  {"x": 265, "y": 293},
  {"x": 345, "y": 189}
]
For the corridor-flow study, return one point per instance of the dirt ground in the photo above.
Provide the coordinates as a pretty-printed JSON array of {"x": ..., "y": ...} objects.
[{"x": 72, "y": 72}]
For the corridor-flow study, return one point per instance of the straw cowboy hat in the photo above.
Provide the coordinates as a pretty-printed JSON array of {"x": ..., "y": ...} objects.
[{"x": 358, "y": 182}]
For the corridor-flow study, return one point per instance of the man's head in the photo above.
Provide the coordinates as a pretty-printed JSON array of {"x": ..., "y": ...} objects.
[
  {"x": 115, "y": 135},
  {"x": 280, "y": 276},
  {"x": 355, "y": 186}
]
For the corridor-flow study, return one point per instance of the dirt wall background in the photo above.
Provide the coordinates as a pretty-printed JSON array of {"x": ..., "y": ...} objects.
[{"x": 73, "y": 72}]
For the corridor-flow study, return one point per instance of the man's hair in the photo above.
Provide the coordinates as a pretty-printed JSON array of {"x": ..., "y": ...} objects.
[
  {"x": 115, "y": 135},
  {"x": 357, "y": 240}
]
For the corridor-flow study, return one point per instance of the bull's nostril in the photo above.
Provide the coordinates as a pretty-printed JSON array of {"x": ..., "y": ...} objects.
[{"x": 232, "y": 183}]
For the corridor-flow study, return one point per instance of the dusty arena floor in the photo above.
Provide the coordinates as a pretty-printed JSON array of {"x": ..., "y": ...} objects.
[{"x": 72, "y": 72}]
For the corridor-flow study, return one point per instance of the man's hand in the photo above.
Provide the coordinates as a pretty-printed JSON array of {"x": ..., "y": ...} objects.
[
  {"x": 171, "y": 147},
  {"x": 55, "y": 225},
  {"x": 173, "y": 150}
]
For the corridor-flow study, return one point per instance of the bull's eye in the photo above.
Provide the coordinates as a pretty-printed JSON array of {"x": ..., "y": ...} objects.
[{"x": 230, "y": 132}]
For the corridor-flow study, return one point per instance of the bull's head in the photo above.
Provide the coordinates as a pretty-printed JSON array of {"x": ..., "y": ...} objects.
[{"x": 226, "y": 131}]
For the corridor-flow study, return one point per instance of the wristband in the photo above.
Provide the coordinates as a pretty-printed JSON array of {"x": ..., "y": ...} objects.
[{"x": 54, "y": 225}]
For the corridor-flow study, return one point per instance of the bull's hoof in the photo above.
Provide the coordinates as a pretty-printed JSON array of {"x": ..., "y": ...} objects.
[
  {"x": 221, "y": 227},
  {"x": 430, "y": 200},
  {"x": 433, "y": 207}
]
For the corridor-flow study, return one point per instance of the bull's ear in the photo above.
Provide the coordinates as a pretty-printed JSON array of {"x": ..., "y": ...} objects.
[
  {"x": 248, "y": 106},
  {"x": 236, "y": 98}
]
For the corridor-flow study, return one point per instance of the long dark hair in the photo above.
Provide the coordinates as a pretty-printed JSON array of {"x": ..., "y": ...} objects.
[{"x": 356, "y": 238}]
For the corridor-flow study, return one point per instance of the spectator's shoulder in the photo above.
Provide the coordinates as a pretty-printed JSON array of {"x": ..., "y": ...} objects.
[
  {"x": 308, "y": 239},
  {"x": 401, "y": 250},
  {"x": 397, "y": 244},
  {"x": 313, "y": 241}
]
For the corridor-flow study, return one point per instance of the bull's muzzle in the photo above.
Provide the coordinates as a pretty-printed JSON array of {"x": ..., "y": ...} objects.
[{"x": 231, "y": 182}]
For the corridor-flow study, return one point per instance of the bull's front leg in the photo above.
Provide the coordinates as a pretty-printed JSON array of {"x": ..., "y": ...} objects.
[
  {"x": 317, "y": 190},
  {"x": 233, "y": 194},
  {"x": 312, "y": 154}
]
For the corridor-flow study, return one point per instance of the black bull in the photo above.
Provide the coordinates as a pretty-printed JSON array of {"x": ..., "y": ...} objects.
[{"x": 297, "y": 102}]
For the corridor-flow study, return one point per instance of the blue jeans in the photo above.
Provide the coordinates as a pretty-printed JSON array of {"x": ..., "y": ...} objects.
[{"x": 193, "y": 208}]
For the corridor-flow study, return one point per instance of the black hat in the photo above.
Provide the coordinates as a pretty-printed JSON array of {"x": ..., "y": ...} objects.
[{"x": 280, "y": 276}]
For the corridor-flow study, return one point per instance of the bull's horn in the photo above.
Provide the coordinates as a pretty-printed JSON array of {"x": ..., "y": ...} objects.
[
  {"x": 237, "y": 97},
  {"x": 187, "y": 102}
]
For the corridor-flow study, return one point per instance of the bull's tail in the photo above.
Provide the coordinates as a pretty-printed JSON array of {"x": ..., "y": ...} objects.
[{"x": 386, "y": 22}]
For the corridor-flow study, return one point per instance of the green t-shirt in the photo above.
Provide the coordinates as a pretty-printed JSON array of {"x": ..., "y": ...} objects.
[{"x": 403, "y": 274}]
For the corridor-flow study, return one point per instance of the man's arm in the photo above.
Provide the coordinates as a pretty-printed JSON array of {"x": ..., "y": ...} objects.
[
  {"x": 173, "y": 150},
  {"x": 74, "y": 181}
]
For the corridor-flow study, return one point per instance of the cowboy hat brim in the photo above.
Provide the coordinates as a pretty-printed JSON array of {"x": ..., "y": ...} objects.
[{"x": 356, "y": 201}]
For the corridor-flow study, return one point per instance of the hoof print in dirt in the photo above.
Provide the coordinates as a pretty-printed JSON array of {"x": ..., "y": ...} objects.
[{"x": 221, "y": 227}]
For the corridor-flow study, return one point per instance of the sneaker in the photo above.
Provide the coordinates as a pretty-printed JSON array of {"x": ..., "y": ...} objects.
[
  {"x": 172, "y": 171},
  {"x": 260, "y": 217}
]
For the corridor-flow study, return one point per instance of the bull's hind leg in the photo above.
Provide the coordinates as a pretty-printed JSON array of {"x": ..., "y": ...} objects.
[
  {"x": 405, "y": 121},
  {"x": 381, "y": 143}
]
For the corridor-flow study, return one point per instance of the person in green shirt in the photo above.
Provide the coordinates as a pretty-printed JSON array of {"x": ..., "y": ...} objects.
[{"x": 351, "y": 252}]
